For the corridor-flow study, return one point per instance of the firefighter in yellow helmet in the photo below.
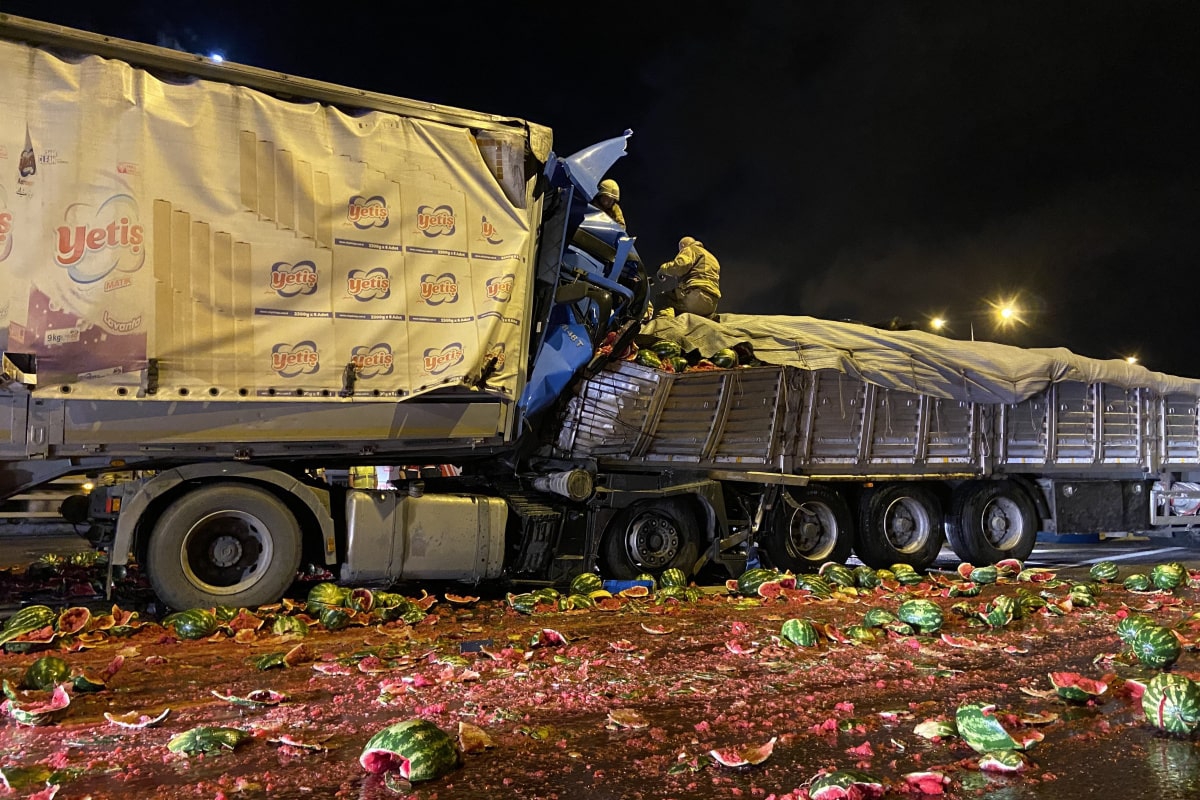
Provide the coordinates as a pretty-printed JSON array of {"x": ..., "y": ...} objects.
[
  {"x": 699, "y": 278},
  {"x": 607, "y": 199}
]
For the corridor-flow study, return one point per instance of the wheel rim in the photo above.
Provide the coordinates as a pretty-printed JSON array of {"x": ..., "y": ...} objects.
[
  {"x": 226, "y": 552},
  {"x": 1003, "y": 523},
  {"x": 812, "y": 531},
  {"x": 907, "y": 525},
  {"x": 653, "y": 540}
]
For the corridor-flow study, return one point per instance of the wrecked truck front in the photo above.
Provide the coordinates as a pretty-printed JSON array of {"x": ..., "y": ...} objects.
[{"x": 590, "y": 279}]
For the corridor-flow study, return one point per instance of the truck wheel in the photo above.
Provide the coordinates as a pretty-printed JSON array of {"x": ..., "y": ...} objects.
[
  {"x": 224, "y": 544},
  {"x": 899, "y": 523},
  {"x": 990, "y": 521},
  {"x": 651, "y": 537},
  {"x": 808, "y": 526}
]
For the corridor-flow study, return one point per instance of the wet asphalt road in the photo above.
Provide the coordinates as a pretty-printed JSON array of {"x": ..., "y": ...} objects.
[{"x": 19, "y": 549}]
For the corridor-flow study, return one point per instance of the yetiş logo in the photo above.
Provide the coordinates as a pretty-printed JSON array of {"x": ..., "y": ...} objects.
[
  {"x": 371, "y": 361},
  {"x": 290, "y": 280},
  {"x": 299, "y": 359},
  {"x": 488, "y": 232},
  {"x": 435, "y": 221},
  {"x": 500, "y": 288},
  {"x": 95, "y": 242},
  {"x": 364, "y": 285},
  {"x": 367, "y": 212},
  {"x": 438, "y": 361},
  {"x": 438, "y": 289}
]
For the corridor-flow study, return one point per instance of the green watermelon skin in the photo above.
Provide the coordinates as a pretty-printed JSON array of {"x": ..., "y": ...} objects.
[
  {"x": 924, "y": 615},
  {"x": 1172, "y": 702},
  {"x": 30, "y": 618},
  {"x": 326, "y": 595},
  {"x": 195, "y": 623},
  {"x": 416, "y": 748},
  {"x": 586, "y": 583},
  {"x": 672, "y": 577},
  {"x": 1156, "y": 646},
  {"x": 751, "y": 579},
  {"x": 1168, "y": 576},
  {"x": 1128, "y": 627},
  {"x": 799, "y": 632},
  {"x": 46, "y": 673},
  {"x": 1105, "y": 571}
]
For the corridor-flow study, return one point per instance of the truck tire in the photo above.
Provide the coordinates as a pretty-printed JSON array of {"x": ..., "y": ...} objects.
[
  {"x": 899, "y": 523},
  {"x": 651, "y": 537},
  {"x": 808, "y": 526},
  {"x": 223, "y": 544},
  {"x": 990, "y": 521}
]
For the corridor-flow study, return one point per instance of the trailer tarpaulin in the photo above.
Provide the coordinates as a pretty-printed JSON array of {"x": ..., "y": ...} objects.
[
  {"x": 914, "y": 361},
  {"x": 248, "y": 246}
]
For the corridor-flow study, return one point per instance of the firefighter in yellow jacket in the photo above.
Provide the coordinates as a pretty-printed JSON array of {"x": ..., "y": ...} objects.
[{"x": 699, "y": 279}]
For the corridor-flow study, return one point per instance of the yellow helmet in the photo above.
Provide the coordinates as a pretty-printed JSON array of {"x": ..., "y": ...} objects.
[{"x": 609, "y": 188}]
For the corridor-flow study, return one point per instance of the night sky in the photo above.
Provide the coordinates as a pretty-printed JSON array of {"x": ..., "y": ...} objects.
[{"x": 846, "y": 160}]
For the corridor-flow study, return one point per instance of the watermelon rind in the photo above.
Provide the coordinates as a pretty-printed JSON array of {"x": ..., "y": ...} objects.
[
  {"x": 841, "y": 784},
  {"x": 207, "y": 739},
  {"x": 417, "y": 749},
  {"x": 1105, "y": 571},
  {"x": 26, "y": 620}
]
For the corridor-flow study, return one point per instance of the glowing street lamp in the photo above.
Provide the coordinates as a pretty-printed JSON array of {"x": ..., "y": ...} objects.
[{"x": 1131, "y": 359}]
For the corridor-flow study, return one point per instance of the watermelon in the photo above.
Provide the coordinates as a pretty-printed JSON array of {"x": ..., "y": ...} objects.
[
  {"x": 843, "y": 784},
  {"x": 1156, "y": 646},
  {"x": 799, "y": 632},
  {"x": 837, "y": 574},
  {"x": 417, "y": 749},
  {"x": 585, "y": 583},
  {"x": 672, "y": 577},
  {"x": 207, "y": 739},
  {"x": 878, "y": 617},
  {"x": 978, "y": 726},
  {"x": 865, "y": 577},
  {"x": 335, "y": 619},
  {"x": 326, "y": 595},
  {"x": 73, "y": 620},
  {"x": 521, "y": 603},
  {"x": 1128, "y": 627},
  {"x": 1172, "y": 702},
  {"x": 39, "y": 711},
  {"x": 745, "y": 756},
  {"x": 665, "y": 349},
  {"x": 648, "y": 358},
  {"x": 906, "y": 575},
  {"x": 1003, "y": 761},
  {"x": 1138, "y": 582},
  {"x": 985, "y": 575},
  {"x": 1076, "y": 688},
  {"x": 999, "y": 612},
  {"x": 967, "y": 589},
  {"x": 680, "y": 364},
  {"x": 646, "y": 576},
  {"x": 1168, "y": 576},
  {"x": 27, "y": 620},
  {"x": 1081, "y": 595},
  {"x": 924, "y": 615},
  {"x": 195, "y": 623},
  {"x": 46, "y": 673},
  {"x": 289, "y": 625},
  {"x": 1105, "y": 571},
  {"x": 725, "y": 358},
  {"x": 818, "y": 586},
  {"x": 751, "y": 579}
]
